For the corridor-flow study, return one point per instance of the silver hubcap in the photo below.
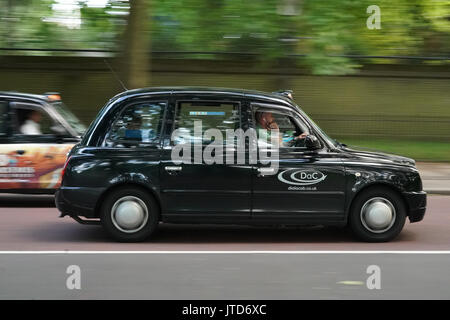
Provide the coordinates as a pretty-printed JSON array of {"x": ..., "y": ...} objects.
[
  {"x": 129, "y": 214},
  {"x": 378, "y": 215}
]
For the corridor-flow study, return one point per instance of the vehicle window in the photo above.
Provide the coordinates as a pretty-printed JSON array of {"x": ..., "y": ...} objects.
[
  {"x": 290, "y": 128},
  {"x": 31, "y": 119},
  {"x": 73, "y": 121},
  {"x": 3, "y": 119},
  {"x": 209, "y": 115},
  {"x": 139, "y": 124}
]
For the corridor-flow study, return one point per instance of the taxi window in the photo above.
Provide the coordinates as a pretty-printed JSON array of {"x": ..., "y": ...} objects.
[
  {"x": 3, "y": 119},
  {"x": 32, "y": 120},
  {"x": 209, "y": 115},
  {"x": 138, "y": 125},
  {"x": 288, "y": 128}
]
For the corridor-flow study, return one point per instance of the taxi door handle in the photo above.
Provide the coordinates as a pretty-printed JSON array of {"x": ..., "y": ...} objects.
[
  {"x": 265, "y": 171},
  {"x": 173, "y": 169}
]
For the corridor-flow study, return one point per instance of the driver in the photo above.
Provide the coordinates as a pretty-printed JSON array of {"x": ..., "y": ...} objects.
[
  {"x": 265, "y": 124},
  {"x": 31, "y": 125}
]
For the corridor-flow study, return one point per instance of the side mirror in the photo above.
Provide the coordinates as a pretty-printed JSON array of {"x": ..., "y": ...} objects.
[{"x": 312, "y": 143}]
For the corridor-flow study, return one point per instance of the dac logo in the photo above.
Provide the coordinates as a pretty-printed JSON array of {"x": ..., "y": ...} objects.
[{"x": 301, "y": 177}]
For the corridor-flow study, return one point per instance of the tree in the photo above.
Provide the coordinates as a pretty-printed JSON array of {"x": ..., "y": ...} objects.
[
  {"x": 136, "y": 46},
  {"x": 319, "y": 34}
]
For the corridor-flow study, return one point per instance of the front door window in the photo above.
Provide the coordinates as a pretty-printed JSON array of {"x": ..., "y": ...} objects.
[{"x": 269, "y": 121}]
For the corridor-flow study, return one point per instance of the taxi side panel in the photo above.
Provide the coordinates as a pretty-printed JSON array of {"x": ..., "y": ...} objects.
[
  {"x": 406, "y": 181},
  {"x": 96, "y": 171}
]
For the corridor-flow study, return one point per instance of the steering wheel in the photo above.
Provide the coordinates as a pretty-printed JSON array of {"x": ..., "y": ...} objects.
[{"x": 299, "y": 143}]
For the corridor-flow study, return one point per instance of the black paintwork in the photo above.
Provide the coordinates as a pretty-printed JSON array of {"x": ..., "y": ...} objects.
[{"x": 231, "y": 193}]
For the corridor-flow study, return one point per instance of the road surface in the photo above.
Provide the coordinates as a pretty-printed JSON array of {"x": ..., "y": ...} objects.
[
  {"x": 217, "y": 262},
  {"x": 39, "y": 228}
]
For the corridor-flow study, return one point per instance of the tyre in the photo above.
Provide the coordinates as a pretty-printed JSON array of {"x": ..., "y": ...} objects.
[
  {"x": 129, "y": 214},
  {"x": 377, "y": 215}
]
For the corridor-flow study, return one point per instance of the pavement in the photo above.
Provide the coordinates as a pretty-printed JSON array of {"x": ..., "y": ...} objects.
[{"x": 435, "y": 177}]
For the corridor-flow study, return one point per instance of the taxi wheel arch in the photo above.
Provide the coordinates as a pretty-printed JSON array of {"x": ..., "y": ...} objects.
[
  {"x": 141, "y": 201},
  {"x": 373, "y": 193},
  {"x": 105, "y": 193}
]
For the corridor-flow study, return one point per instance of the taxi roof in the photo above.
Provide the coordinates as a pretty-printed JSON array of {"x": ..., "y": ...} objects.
[
  {"x": 217, "y": 90},
  {"x": 22, "y": 95}
]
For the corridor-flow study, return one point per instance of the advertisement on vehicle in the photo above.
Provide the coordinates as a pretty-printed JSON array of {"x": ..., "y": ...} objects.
[{"x": 33, "y": 166}]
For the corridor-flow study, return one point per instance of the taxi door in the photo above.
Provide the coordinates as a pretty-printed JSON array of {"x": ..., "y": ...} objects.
[
  {"x": 304, "y": 186},
  {"x": 198, "y": 188}
]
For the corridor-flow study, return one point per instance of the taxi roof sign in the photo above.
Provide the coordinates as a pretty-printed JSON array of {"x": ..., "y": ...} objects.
[
  {"x": 53, "y": 96},
  {"x": 285, "y": 93}
]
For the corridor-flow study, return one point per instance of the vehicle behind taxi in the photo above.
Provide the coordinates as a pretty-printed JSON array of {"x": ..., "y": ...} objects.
[{"x": 36, "y": 134}]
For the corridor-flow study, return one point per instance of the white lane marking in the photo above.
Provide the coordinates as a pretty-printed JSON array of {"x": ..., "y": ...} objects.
[
  {"x": 220, "y": 252},
  {"x": 351, "y": 283}
]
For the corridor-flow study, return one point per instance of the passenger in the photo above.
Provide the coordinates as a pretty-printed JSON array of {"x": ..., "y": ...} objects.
[
  {"x": 31, "y": 126},
  {"x": 133, "y": 130}
]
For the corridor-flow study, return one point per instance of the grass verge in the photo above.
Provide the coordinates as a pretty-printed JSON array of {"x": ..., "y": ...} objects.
[{"x": 418, "y": 150}]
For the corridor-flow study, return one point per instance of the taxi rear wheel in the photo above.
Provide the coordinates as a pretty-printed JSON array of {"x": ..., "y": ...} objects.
[
  {"x": 129, "y": 214},
  {"x": 377, "y": 215}
]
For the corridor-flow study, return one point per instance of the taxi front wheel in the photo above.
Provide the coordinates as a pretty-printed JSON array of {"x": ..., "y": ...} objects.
[
  {"x": 377, "y": 215},
  {"x": 129, "y": 214}
]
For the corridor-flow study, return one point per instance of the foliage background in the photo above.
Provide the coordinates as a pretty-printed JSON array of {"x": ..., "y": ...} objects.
[{"x": 327, "y": 36}]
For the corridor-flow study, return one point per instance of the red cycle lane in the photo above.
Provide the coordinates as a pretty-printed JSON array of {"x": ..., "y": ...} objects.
[{"x": 31, "y": 223}]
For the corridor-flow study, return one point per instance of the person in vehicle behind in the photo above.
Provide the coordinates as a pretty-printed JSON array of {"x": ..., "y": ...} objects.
[
  {"x": 32, "y": 125},
  {"x": 265, "y": 123},
  {"x": 133, "y": 130}
]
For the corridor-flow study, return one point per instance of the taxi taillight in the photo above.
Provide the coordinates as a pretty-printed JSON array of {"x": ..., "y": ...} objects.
[{"x": 65, "y": 166}]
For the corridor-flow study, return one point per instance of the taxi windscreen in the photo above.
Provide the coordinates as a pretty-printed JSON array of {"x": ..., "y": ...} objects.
[{"x": 71, "y": 119}]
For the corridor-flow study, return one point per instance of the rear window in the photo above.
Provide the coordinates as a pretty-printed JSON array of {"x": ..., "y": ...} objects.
[{"x": 138, "y": 125}]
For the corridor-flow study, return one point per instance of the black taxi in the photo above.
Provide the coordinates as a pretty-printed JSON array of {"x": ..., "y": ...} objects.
[
  {"x": 191, "y": 155},
  {"x": 36, "y": 134}
]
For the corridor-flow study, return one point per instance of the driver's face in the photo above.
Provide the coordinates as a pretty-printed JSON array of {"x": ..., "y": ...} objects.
[
  {"x": 268, "y": 119},
  {"x": 36, "y": 116}
]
